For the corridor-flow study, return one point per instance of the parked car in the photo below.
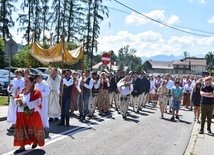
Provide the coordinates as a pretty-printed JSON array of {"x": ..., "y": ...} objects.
[
  {"x": 5, "y": 73},
  {"x": 37, "y": 71},
  {"x": 4, "y": 82}
]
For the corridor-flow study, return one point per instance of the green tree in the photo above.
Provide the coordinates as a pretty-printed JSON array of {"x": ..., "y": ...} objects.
[
  {"x": 128, "y": 58},
  {"x": 75, "y": 20},
  {"x": 3, "y": 61},
  {"x": 56, "y": 16},
  {"x": 98, "y": 11},
  {"x": 144, "y": 67},
  {"x": 45, "y": 18},
  {"x": 21, "y": 58},
  {"x": 186, "y": 54},
  {"x": 26, "y": 19},
  {"x": 210, "y": 58},
  {"x": 6, "y": 20}
]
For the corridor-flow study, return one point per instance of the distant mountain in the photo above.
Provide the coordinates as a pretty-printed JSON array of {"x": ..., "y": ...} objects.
[{"x": 167, "y": 58}]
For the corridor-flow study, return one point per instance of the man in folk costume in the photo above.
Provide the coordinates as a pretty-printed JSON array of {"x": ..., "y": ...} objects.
[
  {"x": 125, "y": 88},
  {"x": 16, "y": 85},
  {"x": 29, "y": 128},
  {"x": 118, "y": 77},
  {"x": 94, "y": 92},
  {"x": 45, "y": 91},
  {"x": 136, "y": 92},
  {"x": 53, "y": 82},
  {"x": 83, "y": 98},
  {"x": 145, "y": 87},
  {"x": 113, "y": 91},
  {"x": 66, "y": 98}
]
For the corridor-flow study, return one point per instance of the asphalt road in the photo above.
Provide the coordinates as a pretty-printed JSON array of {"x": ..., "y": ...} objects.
[{"x": 144, "y": 134}]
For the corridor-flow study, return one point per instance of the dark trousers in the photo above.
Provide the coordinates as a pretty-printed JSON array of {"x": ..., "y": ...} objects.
[
  {"x": 206, "y": 112},
  {"x": 66, "y": 101},
  {"x": 83, "y": 102}
]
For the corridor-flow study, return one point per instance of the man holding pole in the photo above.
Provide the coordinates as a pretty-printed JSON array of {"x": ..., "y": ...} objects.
[
  {"x": 83, "y": 98},
  {"x": 66, "y": 98}
]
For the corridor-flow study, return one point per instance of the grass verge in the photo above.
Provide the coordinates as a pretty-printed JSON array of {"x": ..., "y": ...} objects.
[{"x": 3, "y": 100}]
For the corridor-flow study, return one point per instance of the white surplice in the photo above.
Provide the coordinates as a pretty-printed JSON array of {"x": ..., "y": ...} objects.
[
  {"x": 53, "y": 102},
  {"x": 18, "y": 85},
  {"x": 45, "y": 91}
]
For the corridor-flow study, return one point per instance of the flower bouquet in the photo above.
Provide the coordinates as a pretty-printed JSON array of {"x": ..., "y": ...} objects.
[{"x": 26, "y": 109}]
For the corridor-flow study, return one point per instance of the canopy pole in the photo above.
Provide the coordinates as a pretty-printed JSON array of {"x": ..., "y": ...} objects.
[
  {"x": 83, "y": 58},
  {"x": 29, "y": 56},
  {"x": 62, "y": 65}
]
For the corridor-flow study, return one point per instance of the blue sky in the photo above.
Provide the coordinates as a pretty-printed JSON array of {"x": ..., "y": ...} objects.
[{"x": 149, "y": 38}]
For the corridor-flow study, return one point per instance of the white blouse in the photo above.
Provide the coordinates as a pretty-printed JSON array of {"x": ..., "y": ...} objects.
[{"x": 31, "y": 104}]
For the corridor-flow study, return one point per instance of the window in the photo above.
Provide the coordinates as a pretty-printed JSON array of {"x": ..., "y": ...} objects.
[
  {"x": 184, "y": 66},
  {"x": 184, "y": 72}
]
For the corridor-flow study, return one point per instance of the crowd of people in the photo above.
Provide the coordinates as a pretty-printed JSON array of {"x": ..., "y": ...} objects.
[{"x": 35, "y": 102}]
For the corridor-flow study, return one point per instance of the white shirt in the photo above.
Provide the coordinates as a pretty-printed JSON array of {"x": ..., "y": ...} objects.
[
  {"x": 97, "y": 84},
  {"x": 169, "y": 84},
  {"x": 68, "y": 82},
  {"x": 90, "y": 85},
  {"x": 187, "y": 88},
  {"x": 33, "y": 104},
  {"x": 18, "y": 85},
  {"x": 124, "y": 90}
]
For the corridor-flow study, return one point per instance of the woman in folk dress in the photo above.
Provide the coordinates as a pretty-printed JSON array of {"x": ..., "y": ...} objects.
[
  {"x": 75, "y": 92},
  {"x": 29, "y": 128},
  {"x": 103, "y": 103}
]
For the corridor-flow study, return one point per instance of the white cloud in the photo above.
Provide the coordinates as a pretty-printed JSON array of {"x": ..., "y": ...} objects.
[
  {"x": 137, "y": 19},
  {"x": 159, "y": 15},
  {"x": 173, "y": 20},
  {"x": 151, "y": 43},
  {"x": 200, "y": 1},
  {"x": 211, "y": 20}
]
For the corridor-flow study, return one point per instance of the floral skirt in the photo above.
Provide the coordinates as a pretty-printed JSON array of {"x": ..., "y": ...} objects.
[
  {"x": 29, "y": 129},
  {"x": 103, "y": 102}
]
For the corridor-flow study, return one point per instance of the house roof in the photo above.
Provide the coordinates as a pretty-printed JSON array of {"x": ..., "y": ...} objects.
[
  {"x": 195, "y": 62},
  {"x": 161, "y": 64}
]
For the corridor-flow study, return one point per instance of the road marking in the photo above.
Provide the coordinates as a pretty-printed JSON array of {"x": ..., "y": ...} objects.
[{"x": 62, "y": 135}]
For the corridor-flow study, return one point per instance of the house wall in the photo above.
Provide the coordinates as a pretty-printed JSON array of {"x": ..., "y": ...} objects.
[
  {"x": 181, "y": 71},
  {"x": 197, "y": 70},
  {"x": 163, "y": 71}
]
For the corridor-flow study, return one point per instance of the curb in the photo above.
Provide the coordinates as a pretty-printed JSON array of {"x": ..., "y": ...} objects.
[{"x": 190, "y": 150}]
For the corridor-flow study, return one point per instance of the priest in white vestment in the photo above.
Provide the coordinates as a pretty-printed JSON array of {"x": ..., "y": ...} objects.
[
  {"x": 14, "y": 88},
  {"x": 53, "y": 102},
  {"x": 45, "y": 91}
]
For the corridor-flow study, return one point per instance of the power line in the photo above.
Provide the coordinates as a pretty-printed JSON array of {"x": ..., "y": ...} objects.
[
  {"x": 192, "y": 29},
  {"x": 154, "y": 20}
]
